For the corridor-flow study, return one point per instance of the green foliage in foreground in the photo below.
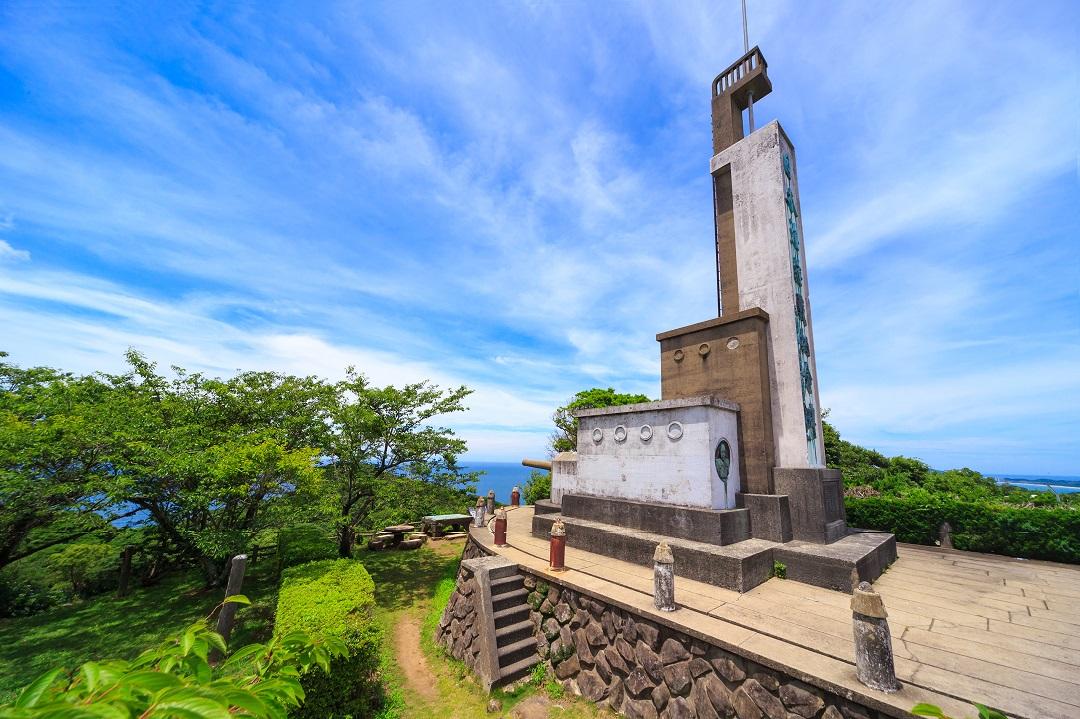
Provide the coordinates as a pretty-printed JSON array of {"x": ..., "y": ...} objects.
[
  {"x": 106, "y": 626},
  {"x": 1031, "y": 532},
  {"x": 538, "y": 486},
  {"x": 176, "y": 680},
  {"x": 304, "y": 543},
  {"x": 334, "y": 599},
  {"x": 566, "y": 425},
  {"x": 930, "y": 710}
]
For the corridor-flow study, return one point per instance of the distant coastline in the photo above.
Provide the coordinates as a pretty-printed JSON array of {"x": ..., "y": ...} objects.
[
  {"x": 1064, "y": 484},
  {"x": 503, "y": 476}
]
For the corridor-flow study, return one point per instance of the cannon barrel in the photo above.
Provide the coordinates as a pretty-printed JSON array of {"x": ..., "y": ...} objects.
[{"x": 537, "y": 463}]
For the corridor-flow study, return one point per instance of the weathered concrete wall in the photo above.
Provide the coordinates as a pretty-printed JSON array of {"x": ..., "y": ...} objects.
[
  {"x": 765, "y": 280},
  {"x": 642, "y": 669},
  {"x": 656, "y": 452}
]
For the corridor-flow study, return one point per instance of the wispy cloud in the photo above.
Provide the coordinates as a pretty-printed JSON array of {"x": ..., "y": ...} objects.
[{"x": 516, "y": 197}]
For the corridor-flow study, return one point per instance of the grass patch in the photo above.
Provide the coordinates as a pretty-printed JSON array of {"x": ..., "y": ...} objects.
[{"x": 106, "y": 627}]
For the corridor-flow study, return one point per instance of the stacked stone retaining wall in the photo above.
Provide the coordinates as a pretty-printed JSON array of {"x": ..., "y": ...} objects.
[
  {"x": 645, "y": 670},
  {"x": 459, "y": 627}
]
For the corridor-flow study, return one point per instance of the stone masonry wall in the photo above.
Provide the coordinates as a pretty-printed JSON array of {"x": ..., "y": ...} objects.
[
  {"x": 645, "y": 670},
  {"x": 459, "y": 630}
]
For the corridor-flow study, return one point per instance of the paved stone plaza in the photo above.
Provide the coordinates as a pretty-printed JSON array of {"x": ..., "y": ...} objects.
[{"x": 965, "y": 626}]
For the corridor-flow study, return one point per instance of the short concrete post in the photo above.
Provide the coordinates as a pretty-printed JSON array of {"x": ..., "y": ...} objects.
[
  {"x": 228, "y": 611},
  {"x": 873, "y": 641},
  {"x": 478, "y": 513},
  {"x": 557, "y": 552},
  {"x": 945, "y": 535},
  {"x": 515, "y": 497},
  {"x": 664, "y": 578},
  {"x": 500, "y": 527},
  {"x": 124, "y": 586},
  {"x": 491, "y": 502}
]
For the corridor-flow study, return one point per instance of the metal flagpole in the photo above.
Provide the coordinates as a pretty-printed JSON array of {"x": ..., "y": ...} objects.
[{"x": 746, "y": 49}]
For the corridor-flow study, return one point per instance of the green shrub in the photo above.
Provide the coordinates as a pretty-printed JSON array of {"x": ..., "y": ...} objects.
[
  {"x": 1030, "y": 532},
  {"x": 261, "y": 681},
  {"x": 334, "y": 599},
  {"x": 538, "y": 486},
  {"x": 304, "y": 543}
]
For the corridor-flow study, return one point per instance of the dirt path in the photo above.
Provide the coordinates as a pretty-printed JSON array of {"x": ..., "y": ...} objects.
[{"x": 411, "y": 659}]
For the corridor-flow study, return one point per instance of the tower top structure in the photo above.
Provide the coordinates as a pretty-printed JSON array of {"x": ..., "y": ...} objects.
[{"x": 735, "y": 90}]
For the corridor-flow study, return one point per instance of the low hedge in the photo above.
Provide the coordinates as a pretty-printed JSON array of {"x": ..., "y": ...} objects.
[
  {"x": 334, "y": 598},
  {"x": 304, "y": 543},
  {"x": 1030, "y": 532}
]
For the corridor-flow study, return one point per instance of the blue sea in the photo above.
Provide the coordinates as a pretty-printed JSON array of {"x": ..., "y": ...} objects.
[
  {"x": 1064, "y": 484},
  {"x": 500, "y": 476}
]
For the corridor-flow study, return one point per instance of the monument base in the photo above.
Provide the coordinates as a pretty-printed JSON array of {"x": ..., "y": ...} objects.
[{"x": 735, "y": 549}]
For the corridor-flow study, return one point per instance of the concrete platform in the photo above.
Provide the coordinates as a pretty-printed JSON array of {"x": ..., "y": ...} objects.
[
  {"x": 966, "y": 627},
  {"x": 739, "y": 566}
]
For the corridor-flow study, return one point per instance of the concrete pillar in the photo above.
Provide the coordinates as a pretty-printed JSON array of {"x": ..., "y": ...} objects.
[
  {"x": 945, "y": 535},
  {"x": 500, "y": 528},
  {"x": 873, "y": 641},
  {"x": 228, "y": 610},
  {"x": 557, "y": 550},
  {"x": 491, "y": 502},
  {"x": 664, "y": 578},
  {"x": 124, "y": 587},
  {"x": 479, "y": 512}
]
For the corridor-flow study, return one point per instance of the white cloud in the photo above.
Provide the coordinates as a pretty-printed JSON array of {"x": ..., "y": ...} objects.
[{"x": 7, "y": 252}]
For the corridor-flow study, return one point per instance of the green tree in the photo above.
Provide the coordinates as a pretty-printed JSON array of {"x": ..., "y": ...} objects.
[
  {"x": 54, "y": 464},
  {"x": 564, "y": 438},
  {"x": 83, "y": 566},
  {"x": 212, "y": 462},
  {"x": 375, "y": 434}
]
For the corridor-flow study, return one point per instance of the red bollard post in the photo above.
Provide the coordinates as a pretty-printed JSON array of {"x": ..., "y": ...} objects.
[
  {"x": 557, "y": 555},
  {"x": 500, "y": 528},
  {"x": 515, "y": 497}
]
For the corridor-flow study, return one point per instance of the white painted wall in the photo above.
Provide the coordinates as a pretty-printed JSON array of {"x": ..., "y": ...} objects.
[
  {"x": 664, "y": 470},
  {"x": 765, "y": 279}
]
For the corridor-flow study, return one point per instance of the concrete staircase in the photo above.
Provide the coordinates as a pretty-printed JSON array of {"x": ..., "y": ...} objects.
[{"x": 515, "y": 639}]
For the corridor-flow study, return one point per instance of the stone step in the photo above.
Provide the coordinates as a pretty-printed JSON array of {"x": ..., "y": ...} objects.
[
  {"x": 545, "y": 506},
  {"x": 517, "y": 651},
  {"x": 859, "y": 556},
  {"x": 501, "y": 572},
  {"x": 513, "y": 632},
  {"x": 509, "y": 599},
  {"x": 518, "y": 669},
  {"x": 712, "y": 526},
  {"x": 740, "y": 566},
  {"x": 505, "y": 584},
  {"x": 511, "y": 615}
]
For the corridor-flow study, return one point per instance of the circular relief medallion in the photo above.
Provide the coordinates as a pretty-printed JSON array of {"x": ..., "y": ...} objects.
[
  {"x": 645, "y": 433},
  {"x": 722, "y": 459},
  {"x": 620, "y": 433},
  {"x": 677, "y": 355},
  {"x": 733, "y": 343},
  {"x": 703, "y": 349},
  {"x": 674, "y": 430},
  {"x": 598, "y": 435}
]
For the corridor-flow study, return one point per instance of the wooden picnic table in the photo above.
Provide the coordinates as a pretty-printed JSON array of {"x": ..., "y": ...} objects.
[{"x": 399, "y": 531}]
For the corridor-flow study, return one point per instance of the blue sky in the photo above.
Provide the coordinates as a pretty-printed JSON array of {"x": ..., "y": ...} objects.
[{"x": 515, "y": 196}]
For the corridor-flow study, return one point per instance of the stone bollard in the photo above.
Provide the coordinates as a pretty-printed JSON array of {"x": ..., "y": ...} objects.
[
  {"x": 500, "y": 528},
  {"x": 491, "y": 502},
  {"x": 228, "y": 612},
  {"x": 873, "y": 641},
  {"x": 478, "y": 513},
  {"x": 945, "y": 536},
  {"x": 557, "y": 552},
  {"x": 664, "y": 578},
  {"x": 515, "y": 497}
]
